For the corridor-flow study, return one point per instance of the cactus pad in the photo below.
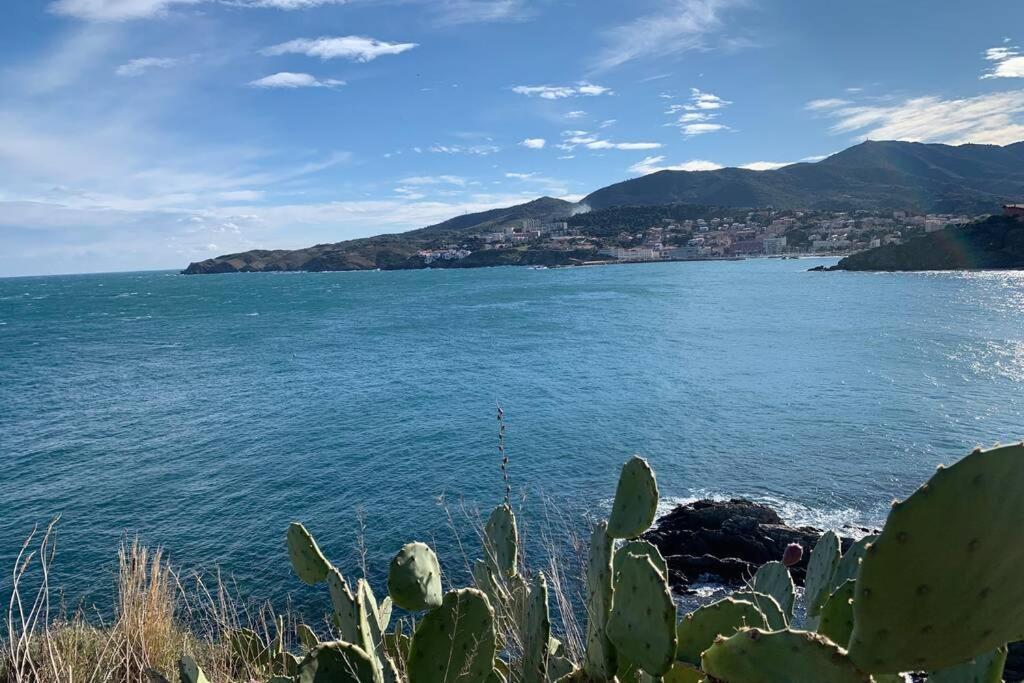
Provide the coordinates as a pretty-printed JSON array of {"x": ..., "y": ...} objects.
[
  {"x": 501, "y": 541},
  {"x": 753, "y": 656},
  {"x": 684, "y": 673},
  {"x": 836, "y": 621},
  {"x": 642, "y": 625},
  {"x": 820, "y": 569},
  {"x": 369, "y": 623},
  {"x": 849, "y": 565},
  {"x": 639, "y": 547},
  {"x": 943, "y": 583},
  {"x": 454, "y": 643},
  {"x": 384, "y": 613},
  {"x": 769, "y": 607},
  {"x": 599, "y": 660},
  {"x": 338, "y": 662},
  {"x": 636, "y": 500},
  {"x": 772, "y": 578},
  {"x": 346, "y": 609},
  {"x": 986, "y": 668},
  {"x": 699, "y": 629},
  {"x": 536, "y": 632},
  {"x": 307, "y": 560},
  {"x": 190, "y": 672},
  {"x": 414, "y": 578}
]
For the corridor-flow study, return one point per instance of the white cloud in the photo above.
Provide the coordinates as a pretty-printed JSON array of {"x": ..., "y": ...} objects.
[
  {"x": 558, "y": 92},
  {"x": 137, "y": 67},
  {"x": 434, "y": 180},
  {"x": 474, "y": 150},
  {"x": 605, "y": 144},
  {"x": 458, "y": 12},
  {"x": 355, "y": 48},
  {"x": 114, "y": 10},
  {"x": 765, "y": 165},
  {"x": 693, "y": 129},
  {"x": 654, "y": 164},
  {"x": 578, "y": 114},
  {"x": 1009, "y": 62},
  {"x": 994, "y": 118},
  {"x": 680, "y": 26},
  {"x": 608, "y": 123},
  {"x": 828, "y": 103},
  {"x": 288, "y": 79},
  {"x": 705, "y": 100},
  {"x": 534, "y": 143}
]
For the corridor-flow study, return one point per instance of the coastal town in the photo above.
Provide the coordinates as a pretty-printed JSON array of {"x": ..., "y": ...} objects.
[{"x": 720, "y": 234}]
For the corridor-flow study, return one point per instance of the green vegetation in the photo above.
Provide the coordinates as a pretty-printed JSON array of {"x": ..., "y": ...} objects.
[{"x": 939, "y": 591}]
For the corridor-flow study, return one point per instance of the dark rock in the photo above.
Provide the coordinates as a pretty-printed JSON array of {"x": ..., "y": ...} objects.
[
  {"x": 727, "y": 540},
  {"x": 1014, "y": 669}
]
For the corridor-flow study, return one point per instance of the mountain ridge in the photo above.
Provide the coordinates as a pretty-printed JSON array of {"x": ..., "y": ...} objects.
[{"x": 872, "y": 175}]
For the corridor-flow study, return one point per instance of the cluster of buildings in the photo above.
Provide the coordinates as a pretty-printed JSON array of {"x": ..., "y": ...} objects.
[{"x": 731, "y": 234}]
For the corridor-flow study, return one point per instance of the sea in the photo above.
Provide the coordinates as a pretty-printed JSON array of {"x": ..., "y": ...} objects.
[{"x": 202, "y": 414}]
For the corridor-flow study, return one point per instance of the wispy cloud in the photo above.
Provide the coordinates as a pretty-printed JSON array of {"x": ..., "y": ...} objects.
[
  {"x": 571, "y": 139},
  {"x": 355, "y": 48},
  {"x": 114, "y": 10},
  {"x": 137, "y": 67},
  {"x": 534, "y": 143},
  {"x": 558, "y": 92},
  {"x": 288, "y": 79},
  {"x": 679, "y": 26},
  {"x": 1009, "y": 62},
  {"x": 473, "y": 150},
  {"x": 458, "y": 12},
  {"x": 653, "y": 164},
  {"x": 434, "y": 180},
  {"x": 577, "y": 114},
  {"x": 827, "y": 103},
  {"x": 994, "y": 118},
  {"x": 692, "y": 129}
]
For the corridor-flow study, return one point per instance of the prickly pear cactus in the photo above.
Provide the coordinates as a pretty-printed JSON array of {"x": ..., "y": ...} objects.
[
  {"x": 986, "y": 668},
  {"x": 455, "y": 642},
  {"x": 636, "y": 500},
  {"x": 414, "y": 578},
  {"x": 599, "y": 661},
  {"x": 849, "y": 565},
  {"x": 699, "y": 629},
  {"x": 754, "y": 656},
  {"x": 346, "y": 608},
  {"x": 769, "y": 607},
  {"x": 338, "y": 662},
  {"x": 384, "y": 613},
  {"x": 684, "y": 673},
  {"x": 307, "y": 636},
  {"x": 642, "y": 625},
  {"x": 536, "y": 633},
  {"x": 820, "y": 569},
  {"x": 501, "y": 541},
  {"x": 836, "y": 621},
  {"x": 772, "y": 578},
  {"x": 248, "y": 648},
  {"x": 370, "y": 636},
  {"x": 190, "y": 672},
  {"x": 308, "y": 562},
  {"x": 639, "y": 547},
  {"x": 943, "y": 581}
]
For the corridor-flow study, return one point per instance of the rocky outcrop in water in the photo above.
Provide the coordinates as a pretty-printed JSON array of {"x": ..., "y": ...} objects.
[{"x": 728, "y": 540}]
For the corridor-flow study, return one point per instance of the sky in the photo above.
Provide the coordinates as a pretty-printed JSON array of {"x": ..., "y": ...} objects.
[{"x": 146, "y": 134}]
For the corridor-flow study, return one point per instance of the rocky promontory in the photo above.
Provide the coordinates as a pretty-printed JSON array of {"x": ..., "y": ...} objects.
[
  {"x": 727, "y": 541},
  {"x": 994, "y": 243}
]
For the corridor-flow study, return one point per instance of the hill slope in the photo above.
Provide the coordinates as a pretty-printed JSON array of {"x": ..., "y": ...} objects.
[
  {"x": 871, "y": 175},
  {"x": 996, "y": 242}
]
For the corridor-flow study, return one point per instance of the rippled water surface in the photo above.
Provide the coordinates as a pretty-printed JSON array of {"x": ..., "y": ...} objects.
[{"x": 204, "y": 413}]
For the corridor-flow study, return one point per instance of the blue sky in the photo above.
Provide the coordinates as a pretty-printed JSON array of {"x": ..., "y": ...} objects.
[{"x": 140, "y": 134}]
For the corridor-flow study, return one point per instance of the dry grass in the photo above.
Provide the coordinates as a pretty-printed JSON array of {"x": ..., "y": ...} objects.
[{"x": 156, "y": 619}]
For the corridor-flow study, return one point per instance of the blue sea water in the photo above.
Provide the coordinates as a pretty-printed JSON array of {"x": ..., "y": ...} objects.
[{"x": 204, "y": 413}]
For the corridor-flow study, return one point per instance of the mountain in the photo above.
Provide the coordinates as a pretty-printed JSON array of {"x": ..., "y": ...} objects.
[
  {"x": 399, "y": 251},
  {"x": 996, "y": 242},
  {"x": 930, "y": 178}
]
